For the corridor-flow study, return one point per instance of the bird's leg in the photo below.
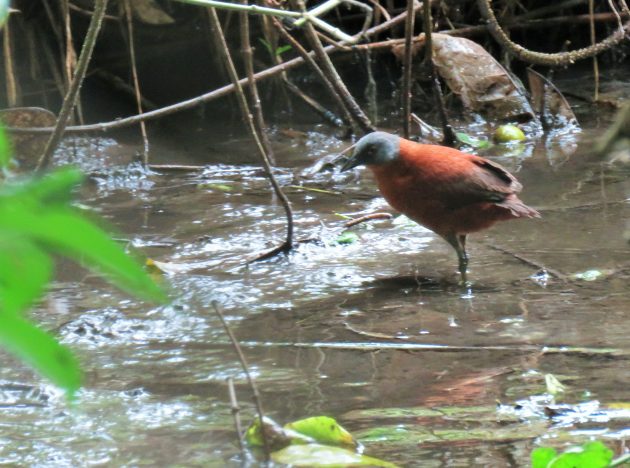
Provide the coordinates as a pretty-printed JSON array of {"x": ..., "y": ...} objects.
[{"x": 459, "y": 244}]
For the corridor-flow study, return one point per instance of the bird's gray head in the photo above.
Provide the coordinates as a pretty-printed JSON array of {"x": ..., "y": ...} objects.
[{"x": 376, "y": 148}]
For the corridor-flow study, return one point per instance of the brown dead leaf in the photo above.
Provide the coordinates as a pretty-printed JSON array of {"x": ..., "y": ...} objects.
[
  {"x": 482, "y": 84},
  {"x": 149, "y": 12},
  {"x": 28, "y": 148}
]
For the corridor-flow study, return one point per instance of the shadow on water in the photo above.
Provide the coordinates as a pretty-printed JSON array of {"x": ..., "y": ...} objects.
[{"x": 376, "y": 332}]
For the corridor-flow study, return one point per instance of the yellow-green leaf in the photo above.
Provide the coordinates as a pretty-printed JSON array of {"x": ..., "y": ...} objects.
[
  {"x": 324, "y": 455},
  {"x": 323, "y": 429}
]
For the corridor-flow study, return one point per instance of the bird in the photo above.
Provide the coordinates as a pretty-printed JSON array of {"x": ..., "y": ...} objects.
[{"x": 450, "y": 192}]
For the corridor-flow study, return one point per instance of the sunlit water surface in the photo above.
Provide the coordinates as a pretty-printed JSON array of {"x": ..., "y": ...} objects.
[{"x": 376, "y": 332}]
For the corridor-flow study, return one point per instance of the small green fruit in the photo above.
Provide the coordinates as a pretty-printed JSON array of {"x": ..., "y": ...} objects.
[{"x": 507, "y": 133}]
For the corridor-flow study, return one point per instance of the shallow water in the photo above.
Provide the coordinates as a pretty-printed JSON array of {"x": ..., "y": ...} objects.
[{"x": 376, "y": 333}]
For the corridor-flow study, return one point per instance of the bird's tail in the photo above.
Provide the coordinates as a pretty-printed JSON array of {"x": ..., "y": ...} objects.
[{"x": 518, "y": 208}]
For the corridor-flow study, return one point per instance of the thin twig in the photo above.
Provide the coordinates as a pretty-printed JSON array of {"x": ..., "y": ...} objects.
[
  {"x": 370, "y": 217},
  {"x": 71, "y": 55},
  {"x": 327, "y": 115},
  {"x": 407, "y": 63},
  {"x": 9, "y": 71},
  {"x": 248, "y": 59},
  {"x": 249, "y": 122},
  {"x": 211, "y": 95},
  {"x": 447, "y": 130},
  {"x": 329, "y": 70},
  {"x": 530, "y": 262},
  {"x": 236, "y": 410},
  {"x": 241, "y": 357},
  {"x": 136, "y": 82},
  {"x": 73, "y": 91},
  {"x": 591, "y": 12},
  {"x": 314, "y": 66}
]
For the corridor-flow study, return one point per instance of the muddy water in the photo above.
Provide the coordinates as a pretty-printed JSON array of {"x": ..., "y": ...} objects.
[{"x": 376, "y": 333}]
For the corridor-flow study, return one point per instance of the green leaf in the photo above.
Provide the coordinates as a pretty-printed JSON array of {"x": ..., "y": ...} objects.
[
  {"x": 322, "y": 429},
  {"x": 25, "y": 269},
  {"x": 324, "y": 455},
  {"x": 277, "y": 436},
  {"x": 542, "y": 456},
  {"x": 347, "y": 237},
  {"x": 282, "y": 49},
  {"x": 590, "y": 455},
  {"x": 266, "y": 44},
  {"x": 54, "y": 188},
  {"x": 472, "y": 141},
  {"x": 507, "y": 133},
  {"x": 66, "y": 232},
  {"x": 42, "y": 351}
]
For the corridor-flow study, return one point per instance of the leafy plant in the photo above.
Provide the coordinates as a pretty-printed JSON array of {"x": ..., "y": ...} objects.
[
  {"x": 37, "y": 220},
  {"x": 590, "y": 455},
  {"x": 278, "y": 50}
]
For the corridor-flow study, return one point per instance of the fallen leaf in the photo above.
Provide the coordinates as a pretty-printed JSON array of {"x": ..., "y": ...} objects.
[{"x": 548, "y": 102}]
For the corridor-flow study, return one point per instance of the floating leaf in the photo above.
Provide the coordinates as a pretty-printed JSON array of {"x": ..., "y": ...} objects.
[
  {"x": 219, "y": 187},
  {"x": 508, "y": 133},
  {"x": 347, "y": 237},
  {"x": 322, "y": 429},
  {"x": 40, "y": 350},
  {"x": 588, "y": 275},
  {"x": 472, "y": 141},
  {"x": 324, "y": 455},
  {"x": 554, "y": 386}
]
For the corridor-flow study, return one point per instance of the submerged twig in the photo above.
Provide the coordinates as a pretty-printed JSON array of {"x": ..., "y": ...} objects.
[
  {"x": 530, "y": 262},
  {"x": 73, "y": 92},
  {"x": 407, "y": 63},
  {"x": 370, "y": 217},
  {"x": 236, "y": 410},
  {"x": 249, "y": 122},
  {"x": 241, "y": 357}
]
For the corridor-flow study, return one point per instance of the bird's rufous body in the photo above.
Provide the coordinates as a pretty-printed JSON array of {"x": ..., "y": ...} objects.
[{"x": 448, "y": 191}]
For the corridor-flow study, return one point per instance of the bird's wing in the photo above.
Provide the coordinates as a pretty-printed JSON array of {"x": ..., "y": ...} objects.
[
  {"x": 487, "y": 181},
  {"x": 495, "y": 177}
]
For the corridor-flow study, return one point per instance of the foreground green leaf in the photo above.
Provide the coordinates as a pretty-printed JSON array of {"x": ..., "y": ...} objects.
[
  {"x": 590, "y": 455},
  {"x": 324, "y": 455},
  {"x": 25, "y": 270},
  {"x": 42, "y": 351},
  {"x": 66, "y": 232}
]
